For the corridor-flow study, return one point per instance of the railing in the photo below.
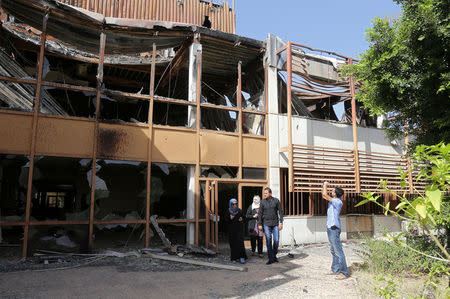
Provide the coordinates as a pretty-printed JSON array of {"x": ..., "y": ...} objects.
[{"x": 222, "y": 17}]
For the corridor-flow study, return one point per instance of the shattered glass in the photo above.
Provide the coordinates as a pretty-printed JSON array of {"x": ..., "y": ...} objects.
[
  {"x": 13, "y": 187},
  {"x": 61, "y": 189}
]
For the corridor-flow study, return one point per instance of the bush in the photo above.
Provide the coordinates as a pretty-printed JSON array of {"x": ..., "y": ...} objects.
[{"x": 384, "y": 256}]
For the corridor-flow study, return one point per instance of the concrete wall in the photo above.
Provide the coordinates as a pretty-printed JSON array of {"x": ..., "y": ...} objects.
[
  {"x": 324, "y": 133},
  {"x": 308, "y": 229},
  {"x": 382, "y": 223},
  {"x": 312, "y": 229}
]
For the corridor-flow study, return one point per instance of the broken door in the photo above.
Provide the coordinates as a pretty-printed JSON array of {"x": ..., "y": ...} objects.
[{"x": 212, "y": 215}]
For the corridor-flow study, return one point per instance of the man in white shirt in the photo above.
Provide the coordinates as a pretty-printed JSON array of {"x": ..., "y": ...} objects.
[{"x": 339, "y": 265}]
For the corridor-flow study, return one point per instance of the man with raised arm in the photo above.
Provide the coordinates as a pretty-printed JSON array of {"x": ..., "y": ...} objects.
[{"x": 338, "y": 266}]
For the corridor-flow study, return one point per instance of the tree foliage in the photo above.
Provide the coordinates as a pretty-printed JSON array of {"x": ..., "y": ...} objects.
[
  {"x": 428, "y": 210},
  {"x": 405, "y": 72}
]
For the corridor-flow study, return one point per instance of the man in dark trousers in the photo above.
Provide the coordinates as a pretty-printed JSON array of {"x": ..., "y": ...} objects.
[
  {"x": 338, "y": 266},
  {"x": 271, "y": 219}
]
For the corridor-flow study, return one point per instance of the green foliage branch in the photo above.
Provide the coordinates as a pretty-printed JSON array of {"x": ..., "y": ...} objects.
[{"x": 405, "y": 73}]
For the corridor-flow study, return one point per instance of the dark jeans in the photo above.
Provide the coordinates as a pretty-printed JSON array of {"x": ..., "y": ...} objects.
[
  {"x": 253, "y": 240},
  {"x": 272, "y": 250},
  {"x": 339, "y": 264}
]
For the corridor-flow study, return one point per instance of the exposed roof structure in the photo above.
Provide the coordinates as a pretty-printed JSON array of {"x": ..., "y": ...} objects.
[{"x": 81, "y": 29}]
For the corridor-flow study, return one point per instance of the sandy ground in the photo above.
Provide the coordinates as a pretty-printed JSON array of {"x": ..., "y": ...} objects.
[{"x": 300, "y": 277}]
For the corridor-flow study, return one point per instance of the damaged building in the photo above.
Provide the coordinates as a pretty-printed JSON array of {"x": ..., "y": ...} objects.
[{"x": 112, "y": 113}]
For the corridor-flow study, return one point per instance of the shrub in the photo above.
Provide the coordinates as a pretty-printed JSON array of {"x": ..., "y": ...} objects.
[{"x": 384, "y": 256}]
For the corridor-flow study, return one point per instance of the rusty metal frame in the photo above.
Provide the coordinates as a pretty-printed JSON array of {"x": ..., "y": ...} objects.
[
  {"x": 34, "y": 131},
  {"x": 289, "y": 115},
  {"x": 355, "y": 134},
  {"x": 207, "y": 211},
  {"x": 149, "y": 149},
  {"x": 240, "y": 116},
  {"x": 152, "y": 98},
  {"x": 96, "y": 130}
]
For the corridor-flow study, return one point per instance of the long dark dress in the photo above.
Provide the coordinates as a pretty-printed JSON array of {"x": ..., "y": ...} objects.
[{"x": 236, "y": 236}]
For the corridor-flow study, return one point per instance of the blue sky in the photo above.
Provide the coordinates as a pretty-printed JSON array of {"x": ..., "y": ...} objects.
[{"x": 331, "y": 25}]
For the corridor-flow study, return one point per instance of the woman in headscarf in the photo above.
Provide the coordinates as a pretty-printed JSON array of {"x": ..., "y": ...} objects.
[
  {"x": 256, "y": 236},
  {"x": 236, "y": 232}
]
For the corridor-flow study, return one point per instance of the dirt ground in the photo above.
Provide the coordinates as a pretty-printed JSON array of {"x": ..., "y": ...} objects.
[{"x": 302, "y": 276}]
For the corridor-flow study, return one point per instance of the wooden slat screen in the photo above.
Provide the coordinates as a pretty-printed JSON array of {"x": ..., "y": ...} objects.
[{"x": 313, "y": 165}]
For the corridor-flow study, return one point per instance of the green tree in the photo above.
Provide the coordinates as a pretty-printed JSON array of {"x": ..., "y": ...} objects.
[{"x": 405, "y": 72}]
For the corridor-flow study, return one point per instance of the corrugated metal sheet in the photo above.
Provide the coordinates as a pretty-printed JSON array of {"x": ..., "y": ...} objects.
[{"x": 222, "y": 17}]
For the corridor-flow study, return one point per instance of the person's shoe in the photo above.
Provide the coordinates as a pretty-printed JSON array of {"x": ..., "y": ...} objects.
[
  {"x": 341, "y": 276},
  {"x": 233, "y": 261},
  {"x": 253, "y": 253},
  {"x": 275, "y": 260},
  {"x": 269, "y": 262},
  {"x": 332, "y": 273},
  {"x": 261, "y": 255},
  {"x": 242, "y": 260}
]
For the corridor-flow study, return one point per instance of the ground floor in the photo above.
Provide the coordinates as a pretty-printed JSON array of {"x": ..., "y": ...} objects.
[{"x": 62, "y": 217}]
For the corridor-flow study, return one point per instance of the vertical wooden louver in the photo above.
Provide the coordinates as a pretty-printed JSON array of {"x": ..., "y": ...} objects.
[{"x": 222, "y": 16}]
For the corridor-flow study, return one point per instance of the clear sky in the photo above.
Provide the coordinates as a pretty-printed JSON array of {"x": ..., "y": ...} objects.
[{"x": 332, "y": 25}]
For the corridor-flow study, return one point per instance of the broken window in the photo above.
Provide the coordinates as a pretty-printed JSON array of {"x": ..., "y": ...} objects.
[
  {"x": 224, "y": 172},
  {"x": 218, "y": 119},
  {"x": 17, "y": 96},
  {"x": 119, "y": 235},
  {"x": 17, "y": 63},
  {"x": 126, "y": 78},
  {"x": 169, "y": 190},
  {"x": 173, "y": 84},
  {"x": 59, "y": 238},
  {"x": 253, "y": 77},
  {"x": 120, "y": 190},
  {"x": 68, "y": 102},
  {"x": 61, "y": 189},
  {"x": 168, "y": 114},
  {"x": 117, "y": 108},
  {"x": 69, "y": 71},
  {"x": 13, "y": 187},
  {"x": 253, "y": 173},
  {"x": 253, "y": 124},
  {"x": 11, "y": 237},
  {"x": 218, "y": 92}
]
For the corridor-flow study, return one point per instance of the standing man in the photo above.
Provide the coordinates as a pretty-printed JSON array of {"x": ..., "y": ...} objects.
[
  {"x": 271, "y": 218},
  {"x": 338, "y": 266}
]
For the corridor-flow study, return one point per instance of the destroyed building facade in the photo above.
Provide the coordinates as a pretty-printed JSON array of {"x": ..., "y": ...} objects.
[{"x": 111, "y": 114}]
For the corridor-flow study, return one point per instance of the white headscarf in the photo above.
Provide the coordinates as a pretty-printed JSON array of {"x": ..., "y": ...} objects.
[{"x": 256, "y": 202}]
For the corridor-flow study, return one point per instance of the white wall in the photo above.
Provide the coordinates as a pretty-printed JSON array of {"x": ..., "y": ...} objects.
[
  {"x": 323, "y": 133},
  {"x": 308, "y": 229}
]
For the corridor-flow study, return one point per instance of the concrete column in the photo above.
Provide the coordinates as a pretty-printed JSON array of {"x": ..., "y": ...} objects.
[
  {"x": 192, "y": 118},
  {"x": 273, "y": 130}
]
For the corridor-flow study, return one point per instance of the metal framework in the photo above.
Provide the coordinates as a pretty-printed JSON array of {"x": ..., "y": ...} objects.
[
  {"x": 354, "y": 170},
  {"x": 161, "y": 137}
]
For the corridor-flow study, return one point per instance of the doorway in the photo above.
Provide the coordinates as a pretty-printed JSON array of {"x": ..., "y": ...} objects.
[{"x": 217, "y": 201}]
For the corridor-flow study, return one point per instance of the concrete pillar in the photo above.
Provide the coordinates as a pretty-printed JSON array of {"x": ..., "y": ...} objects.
[
  {"x": 273, "y": 130},
  {"x": 192, "y": 118},
  {"x": 190, "y": 207}
]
